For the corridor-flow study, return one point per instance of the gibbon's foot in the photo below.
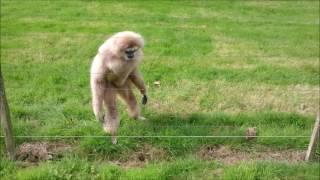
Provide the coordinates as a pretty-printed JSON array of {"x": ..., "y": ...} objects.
[
  {"x": 114, "y": 139},
  {"x": 107, "y": 127},
  {"x": 141, "y": 118},
  {"x": 109, "y": 130}
]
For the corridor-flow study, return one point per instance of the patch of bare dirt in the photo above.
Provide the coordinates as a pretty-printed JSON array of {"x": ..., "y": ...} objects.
[
  {"x": 40, "y": 151},
  {"x": 231, "y": 156},
  {"x": 143, "y": 156}
]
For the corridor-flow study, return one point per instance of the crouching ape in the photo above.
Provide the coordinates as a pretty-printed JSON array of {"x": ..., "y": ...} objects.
[{"x": 114, "y": 71}]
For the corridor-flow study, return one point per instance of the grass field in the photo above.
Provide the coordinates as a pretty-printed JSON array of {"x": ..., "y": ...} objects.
[{"x": 224, "y": 66}]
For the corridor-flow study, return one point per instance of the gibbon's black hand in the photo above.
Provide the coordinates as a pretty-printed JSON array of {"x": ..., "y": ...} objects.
[{"x": 144, "y": 99}]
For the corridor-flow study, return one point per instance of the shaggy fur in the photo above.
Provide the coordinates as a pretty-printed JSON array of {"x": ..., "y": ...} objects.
[{"x": 113, "y": 71}]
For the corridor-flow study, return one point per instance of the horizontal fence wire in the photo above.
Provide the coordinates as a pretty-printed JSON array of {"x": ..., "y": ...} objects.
[{"x": 121, "y": 136}]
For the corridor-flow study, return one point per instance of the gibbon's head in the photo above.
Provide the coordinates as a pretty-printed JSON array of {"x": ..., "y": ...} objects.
[{"x": 127, "y": 45}]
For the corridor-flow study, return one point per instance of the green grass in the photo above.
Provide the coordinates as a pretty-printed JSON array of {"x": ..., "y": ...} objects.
[
  {"x": 187, "y": 168},
  {"x": 224, "y": 66}
]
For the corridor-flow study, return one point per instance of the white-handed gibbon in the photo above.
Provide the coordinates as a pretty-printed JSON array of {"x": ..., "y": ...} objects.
[{"x": 113, "y": 72}]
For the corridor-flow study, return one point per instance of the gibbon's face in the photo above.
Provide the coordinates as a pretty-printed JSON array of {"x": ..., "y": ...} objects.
[{"x": 130, "y": 53}]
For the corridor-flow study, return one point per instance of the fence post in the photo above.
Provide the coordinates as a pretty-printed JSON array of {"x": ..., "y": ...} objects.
[
  {"x": 313, "y": 140},
  {"x": 6, "y": 121}
]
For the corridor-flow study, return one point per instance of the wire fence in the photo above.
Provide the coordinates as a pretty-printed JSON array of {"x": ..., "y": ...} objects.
[
  {"x": 10, "y": 66},
  {"x": 159, "y": 136}
]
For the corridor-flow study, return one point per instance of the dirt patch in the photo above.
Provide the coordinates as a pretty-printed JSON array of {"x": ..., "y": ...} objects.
[
  {"x": 231, "y": 156},
  {"x": 143, "y": 156},
  {"x": 40, "y": 151}
]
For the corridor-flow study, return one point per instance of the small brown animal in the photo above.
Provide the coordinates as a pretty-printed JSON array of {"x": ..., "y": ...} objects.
[
  {"x": 113, "y": 72},
  {"x": 251, "y": 133}
]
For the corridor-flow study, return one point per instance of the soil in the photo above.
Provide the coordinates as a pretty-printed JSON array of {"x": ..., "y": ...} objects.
[
  {"x": 231, "y": 156},
  {"x": 143, "y": 156},
  {"x": 31, "y": 153},
  {"x": 40, "y": 151}
]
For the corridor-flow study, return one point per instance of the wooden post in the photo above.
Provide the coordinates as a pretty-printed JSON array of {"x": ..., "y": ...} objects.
[
  {"x": 6, "y": 121},
  {"x": 313, "y": 140}
]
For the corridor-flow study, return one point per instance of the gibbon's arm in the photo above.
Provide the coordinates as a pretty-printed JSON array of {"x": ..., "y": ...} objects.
[{"x": 137, "y": 80}]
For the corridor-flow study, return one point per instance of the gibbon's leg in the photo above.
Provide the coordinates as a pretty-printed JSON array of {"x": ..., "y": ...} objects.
[
  {"x": 111, "y": 119},
  {"x": 127, "y": 95},
  {"x": 97, "y": 90}
]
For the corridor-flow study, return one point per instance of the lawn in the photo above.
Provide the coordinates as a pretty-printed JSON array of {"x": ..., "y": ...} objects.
[{"x": 223, "y": 66}]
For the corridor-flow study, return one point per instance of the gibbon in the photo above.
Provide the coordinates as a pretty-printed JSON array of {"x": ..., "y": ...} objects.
[{"x": 114, "y": 71}]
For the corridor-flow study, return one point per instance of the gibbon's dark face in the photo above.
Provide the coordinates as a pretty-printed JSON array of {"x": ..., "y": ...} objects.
[{"x": 130, "y": 52}]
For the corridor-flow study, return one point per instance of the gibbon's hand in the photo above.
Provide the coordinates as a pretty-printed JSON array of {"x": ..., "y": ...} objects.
[{"x": 144, "y": 99}]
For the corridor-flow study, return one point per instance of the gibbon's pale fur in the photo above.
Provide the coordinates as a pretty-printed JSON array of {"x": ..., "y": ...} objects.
[{"x": 113, "y": 72}]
